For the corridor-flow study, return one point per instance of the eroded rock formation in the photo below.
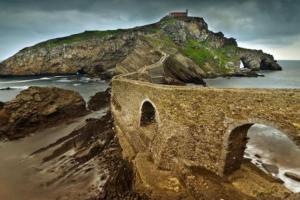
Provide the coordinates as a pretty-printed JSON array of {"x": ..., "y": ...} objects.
[
  {"x": 97, "y": 154},
  {"x": 99, "y": 100},
  {"x": 39, "y": 107}
]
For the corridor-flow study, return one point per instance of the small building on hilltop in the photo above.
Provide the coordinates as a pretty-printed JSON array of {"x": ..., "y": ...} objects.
[{"x": 179, "y": 14}]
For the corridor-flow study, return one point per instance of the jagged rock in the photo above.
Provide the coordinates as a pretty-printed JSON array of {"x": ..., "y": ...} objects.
[
  {"x": 97, "y": 153},
  {"x": 258, "y": 60},
  {"x": 179, "y": 67},
  {"x": 291, "y": 175},
  {"x": 99, "y": 100},
  {"x": 39, "y": 107}
]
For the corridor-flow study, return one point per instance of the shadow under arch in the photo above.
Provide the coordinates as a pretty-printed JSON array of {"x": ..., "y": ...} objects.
[
  {"x": 236, "y": 140},
  {"x": 236, "y": 145},
  {"x": 148, "y": 113}
]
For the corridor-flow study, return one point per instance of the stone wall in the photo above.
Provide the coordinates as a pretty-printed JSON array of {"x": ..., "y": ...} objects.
[{"x": 193, "y": 124}]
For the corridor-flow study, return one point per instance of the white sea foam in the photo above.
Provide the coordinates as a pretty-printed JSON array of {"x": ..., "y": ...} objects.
[
  {"x": 46, "y": 78},
  {"x": 64, "y": 81},
  {"x": 24, "y": 81},
  {"x": 24, "y": 87}
]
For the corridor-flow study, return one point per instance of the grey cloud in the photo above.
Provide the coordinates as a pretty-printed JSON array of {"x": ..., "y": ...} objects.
[{"x": 273, "y": 22}]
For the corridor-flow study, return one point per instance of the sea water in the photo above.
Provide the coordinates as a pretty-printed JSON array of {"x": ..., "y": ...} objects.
[
  {"x": 289, "y": 77},
  {"x": 84, "y": 85}
]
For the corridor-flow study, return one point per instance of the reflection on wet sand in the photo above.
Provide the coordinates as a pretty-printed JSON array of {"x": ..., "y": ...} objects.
[{"x": 268, "y": 145}]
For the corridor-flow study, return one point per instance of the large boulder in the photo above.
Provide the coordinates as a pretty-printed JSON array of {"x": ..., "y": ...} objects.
[
  {"x": 39, "y": 107},
  {"x": 179, "y": 67},
  {"x": 99, "y": 100}
]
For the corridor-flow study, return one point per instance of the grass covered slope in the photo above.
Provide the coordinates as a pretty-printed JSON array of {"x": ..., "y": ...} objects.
[{"x": 86, "y": 35}]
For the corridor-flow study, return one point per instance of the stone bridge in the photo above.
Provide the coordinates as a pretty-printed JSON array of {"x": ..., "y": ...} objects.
[{"x": 197, "y": 126}]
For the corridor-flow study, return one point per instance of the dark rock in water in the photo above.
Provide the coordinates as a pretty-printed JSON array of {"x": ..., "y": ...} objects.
[
  {"x": 246, "y": 74},
  {"x": 7, "y": 88},
  {"x": 99, "y": 100},
  {"x": 257, "y": 156},
  {"x": 39, "y": 107},
  {"x": 291, "y": 175},
  {"x": 258, "y": 60},
  {"x": 270, "y": 168}
]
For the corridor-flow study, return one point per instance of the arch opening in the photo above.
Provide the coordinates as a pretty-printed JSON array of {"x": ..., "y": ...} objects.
[
  {"x": 269, "y": 149},
  {"x": 148, "y": 114},
  {"x": 242, "y": 65}
]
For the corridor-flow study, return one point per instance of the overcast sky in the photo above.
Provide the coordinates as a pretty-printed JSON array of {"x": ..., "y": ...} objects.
[{"x": 271, "y": 25}]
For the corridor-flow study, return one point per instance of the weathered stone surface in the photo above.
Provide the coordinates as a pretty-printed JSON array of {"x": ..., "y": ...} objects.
[
  {"x": 99, "y": 100},
  {"x": 179, "y": 67},
  {"x": 84, "y": 162},
  {"x": 294, "y": 197},
  {"x": 273, "y": 169},
  {"x": 95, "y": 56},
  {"x": 295, "y": 177},
  {"x": 39, "y": 107},
  {"x": 195, "y": 123}
]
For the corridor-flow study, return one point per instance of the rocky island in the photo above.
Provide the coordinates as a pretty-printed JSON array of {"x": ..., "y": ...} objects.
[{"x": 194, "y": 52}]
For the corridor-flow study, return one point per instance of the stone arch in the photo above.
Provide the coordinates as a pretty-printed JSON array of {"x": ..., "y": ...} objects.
[
  {"x": 236, "y": 145},
  {"x": 235, "y": 141},
  {"x": 148, "y": 113},
  {"x": 242, "y": 64}
]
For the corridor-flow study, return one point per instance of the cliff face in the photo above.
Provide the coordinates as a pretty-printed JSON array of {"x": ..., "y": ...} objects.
[
  {"x": 187, "y": 40},
  {"x": 95, "y": 55}
]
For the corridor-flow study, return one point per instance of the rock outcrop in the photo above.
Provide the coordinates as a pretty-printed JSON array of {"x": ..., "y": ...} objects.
[
  {"x": 99, "y": 100},
  {"x": 106, "y": 53},
  {"x": 258, "y": 60},
  {"x": 39, "y": 107},
  {"x": 97, "y": 154},
  {"x": 179, "y": 67}
]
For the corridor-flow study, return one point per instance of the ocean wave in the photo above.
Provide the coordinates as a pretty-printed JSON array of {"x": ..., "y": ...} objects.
[
  {"x": 24, "y": 81},
  {"x": 24, "y": 87},
  {"x": 64, "y": 81},
  {"x": 45, "y": 78}
]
